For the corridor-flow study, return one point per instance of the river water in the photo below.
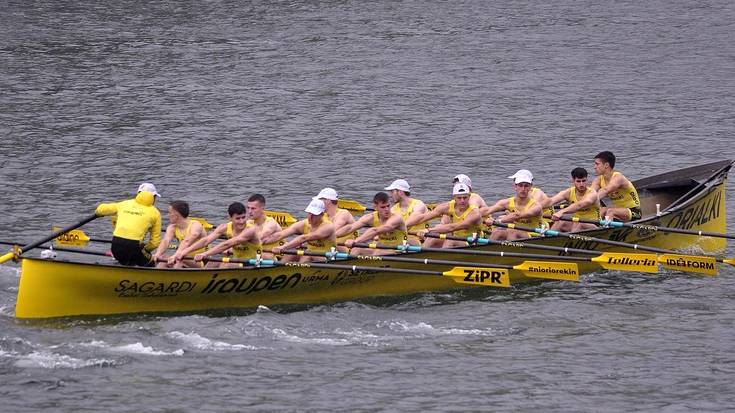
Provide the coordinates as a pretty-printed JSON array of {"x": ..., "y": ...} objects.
[{"x": 215, "y": 100}]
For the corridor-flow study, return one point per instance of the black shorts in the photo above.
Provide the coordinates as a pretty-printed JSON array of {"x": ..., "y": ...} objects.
[
  {"x": 635, "y": 213},
  {"x": 130, "y": 252}
]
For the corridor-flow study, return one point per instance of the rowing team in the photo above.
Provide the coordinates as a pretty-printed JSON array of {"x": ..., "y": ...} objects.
[{"x": 251, "y": 233}]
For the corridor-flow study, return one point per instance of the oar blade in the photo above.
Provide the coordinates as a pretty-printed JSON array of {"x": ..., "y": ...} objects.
[
  {"x": 207, "y": 226},
  {"x": 730, "y": 261},
  {"x": 689, "y": 263},
  {"x": 628, "y": 262},
  {"x": 353, "y": 206},
  {"x": 73, "y": 238},
  {"x": 492, "y": 277},
  {"x": 284, "y": 219},
  {"x": 563, "y": 271}
]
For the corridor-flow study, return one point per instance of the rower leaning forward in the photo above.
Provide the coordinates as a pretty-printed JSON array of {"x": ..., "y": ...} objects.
[{"x": 626, "y": 205}]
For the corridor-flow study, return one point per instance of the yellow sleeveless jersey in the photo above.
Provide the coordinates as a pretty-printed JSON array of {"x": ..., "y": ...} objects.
[
  {"x": 266, "y": 247},
  {"x": 396, "y": 209},
  {"x": 623, "y": 197},
  {"x": 245, "y": 250},
  {"x": 134, "y": 221},
  {"x": 319, "y": 245},
  {"x": 343, "y": 238},
  {"x": 533, "y": 222},
  {"x": 546, "y": 211},
  {"x": 392, "y": 238},
  {"x": 454, "y": 218},
  {"x": 591, "y": 212},
  {"x": 181, "y": 236}
]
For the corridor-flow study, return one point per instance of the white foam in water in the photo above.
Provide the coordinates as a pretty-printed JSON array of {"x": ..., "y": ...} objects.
[
  {"x": 47, "y": 360},
  {"x": 135, "y": 348},
  {"x": 296, "y": 339},
  {"x": 429, "y": 329},
  {"x": 203, "y": 343}
]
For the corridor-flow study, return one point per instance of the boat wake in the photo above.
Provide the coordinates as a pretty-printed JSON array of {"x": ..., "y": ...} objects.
[{"x": 194, "y": 340}]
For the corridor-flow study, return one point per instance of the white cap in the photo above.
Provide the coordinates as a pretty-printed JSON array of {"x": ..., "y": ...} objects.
[
  {"x": 148, "y": 187},
  {"x": 463, "y": 179},
  {"x": 460, "y": 189},
  {"x": 399, "y": 184},
  {"x": 523, "y": 175},
  {"x": 328, "y": 193},
  {"x": 316, "y": 207}
]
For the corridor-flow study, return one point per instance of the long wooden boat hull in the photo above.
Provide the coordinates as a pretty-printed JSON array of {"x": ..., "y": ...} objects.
[{"x": 692, "y": 198}]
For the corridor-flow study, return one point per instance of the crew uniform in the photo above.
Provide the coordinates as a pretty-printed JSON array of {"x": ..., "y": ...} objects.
[
  {"x": 319, "y": 245},
  {"x": 592, "y": 212},
  {"x": 533, "y": 222},
  {"x": 396, "y": 209},
  {"x": 135, "y": 218},
  {"x": 454, "y": 218},
  {"x": 245, "y": 250},
  {"x": 390, "y": 238},
  {"x": 624, "y": 197}
]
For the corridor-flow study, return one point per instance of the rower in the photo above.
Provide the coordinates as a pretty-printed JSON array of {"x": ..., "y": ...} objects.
[
  {"x": 264, "y": 224},
  {"x": 409, "y": 208},
  {"x": 136, "y": 218},
  {"x": 611, "y": 183},
  {"x": 583, "y": 203},
  {"x": 463, "y": 219},
  {"x": 185, "y": 230},
  {"x": 242, "y": 241},
  {"x": 386, "y": 225},
  {"x": 340, "y": 217},
  {"x": 475, "y": 198},
  {"x": 522, "y": 209},
  {"x": 537, "y": 194},
  {"x": 315, "y": 231}
]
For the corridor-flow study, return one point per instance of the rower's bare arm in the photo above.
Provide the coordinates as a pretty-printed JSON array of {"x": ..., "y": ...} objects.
[
  {"x": 394, "y": 222},
  {"x": 165, "y": 242},
  {"x": 293, "y": 229},
  {"x": 243, "y": 237},
  {"x": 202, "y": 242},
  {"x": 472, "y": 219},
  {"x": 501, "y": 205},
  {"x": 364, "y": 221},
  {"x": 440, "y": 210},
  {"x": 533, "y": 211},
  {"x": 418, "y": 210},
  {"x": 596, "y": 184},
  {"x": 196, "y": 231},
  {"x": 560, "y": 197}
]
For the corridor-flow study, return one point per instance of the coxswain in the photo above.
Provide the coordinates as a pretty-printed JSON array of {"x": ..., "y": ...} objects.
[
  {"x": 462, "y": 219},
  {"x": 385, "y": 226},
  {"x": 185, "y": 230},
  {"x": 626, "y": 206},
  {"x": 410, "y": 209},
  {"x": 340, "y": 217},
  {"x": 316, "y": 232},
  {"x": 583, "y": 203},
  {"x": 521, "y": 209},
  {"x": 246, "y": 244},
  {"x": 265, "y": 225},
  {"x": 136, "y": 218}
]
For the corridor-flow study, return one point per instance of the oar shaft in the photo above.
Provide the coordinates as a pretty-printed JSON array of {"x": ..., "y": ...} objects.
[
  {"x": 619, "y": 224},
  {"x": 62, "y": 249},
  {"x": 516, "y": 244}
]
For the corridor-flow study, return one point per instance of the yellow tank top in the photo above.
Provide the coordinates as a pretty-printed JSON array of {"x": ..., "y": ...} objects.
[
  {"x": 272, "y": 245},
  {"x": 591, "y": 212},
  {"x": 623, "y": 197},
  {"x": 392, "y": 238},
  {"x": 245, "y": 250},
  {"x": 546, "y": 211},
  {"x": 343, "y": 238},
  {"x": 454, "y": 218},
  {"x": 319, "y": 245},
  {"x": 533, "y": 222},
  {"x": 396, "y": 209},
  {"x": 181, "y": 236}
]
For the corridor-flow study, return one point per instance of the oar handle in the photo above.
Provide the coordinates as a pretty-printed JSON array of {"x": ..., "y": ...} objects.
[{"x": 35, "y": 244}]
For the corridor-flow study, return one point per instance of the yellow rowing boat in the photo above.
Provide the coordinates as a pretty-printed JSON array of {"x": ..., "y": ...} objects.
[{"x": 691, "y": 198}]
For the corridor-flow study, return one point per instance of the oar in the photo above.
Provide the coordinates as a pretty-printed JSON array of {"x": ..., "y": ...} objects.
[
  {"x": 53, "y": 248},
  {"x": 536, "y": 269},
  {"x": 619, "y": 224},
  {"x": 701, "y": 264},
  {"x": 620, "y": 261},
  {"x": 475, "y": 275},
  {"x": 607, "y": 260},
  {"x": 79, "y": 238},
  {"x": 353, "y": 206},
  {"x": 19, "y": 251},
  {"x": 284, "y": 219}
]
